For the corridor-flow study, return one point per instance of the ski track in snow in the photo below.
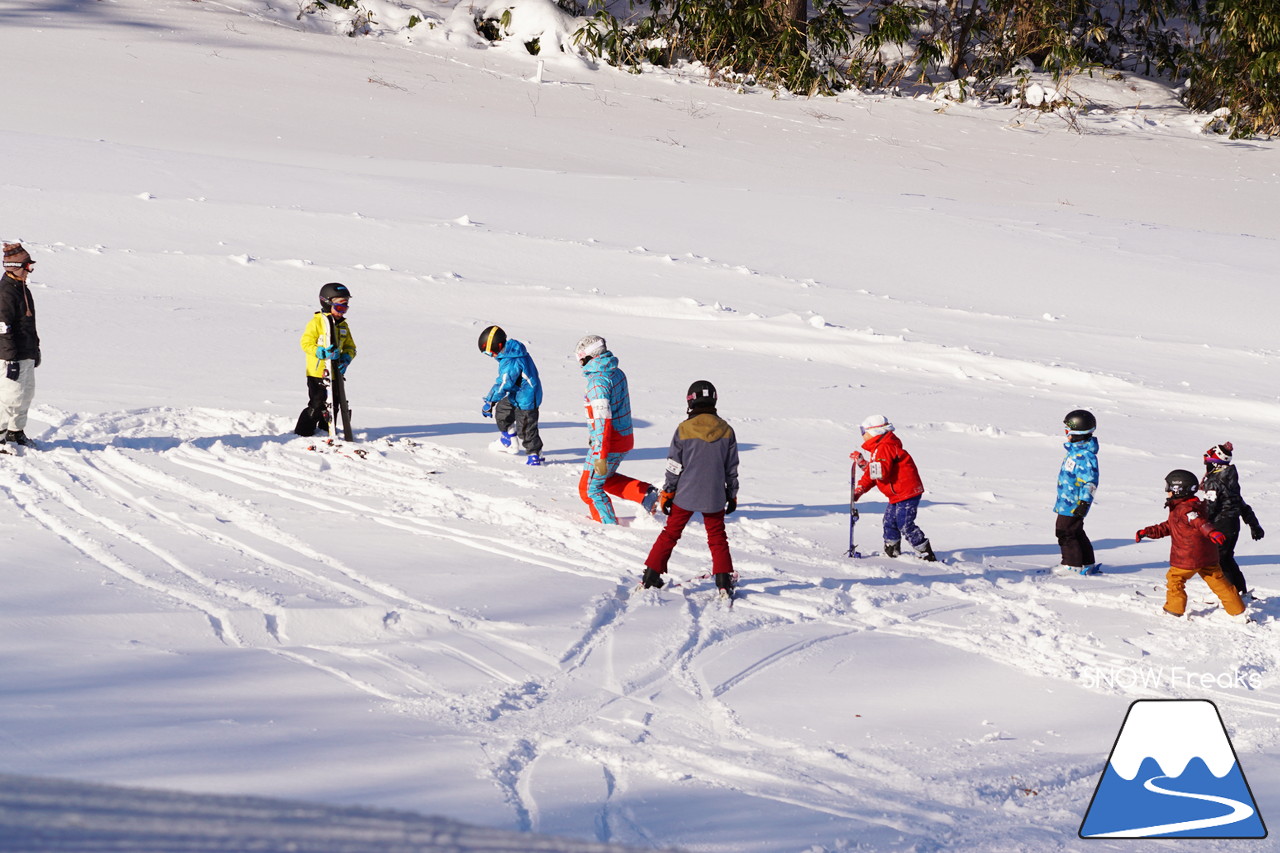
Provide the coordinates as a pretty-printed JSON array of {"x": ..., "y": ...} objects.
[{"x": 181, "y": 523}]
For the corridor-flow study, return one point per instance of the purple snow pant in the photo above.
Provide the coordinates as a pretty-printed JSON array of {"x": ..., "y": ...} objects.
[{"x": 900, "y": 520}]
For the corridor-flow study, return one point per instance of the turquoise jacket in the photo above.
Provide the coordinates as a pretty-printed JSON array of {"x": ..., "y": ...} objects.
[
  {"x": 517, "y": 378},
  {"x": 1078, "y": 478}
]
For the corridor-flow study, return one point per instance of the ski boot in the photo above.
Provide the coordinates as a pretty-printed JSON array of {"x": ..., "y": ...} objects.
[
  {"x": 1091, "y": 569},
  {"x": 534, "y": 459},
  {"x": 17, "y": 436},
  {"x": 893, "y": 549},
  {"x": 724, "y": 583},
  {"x": 925, "y": 552},
  {"x": 506, "y": 442},
  {"x": 652, "y": 580}
]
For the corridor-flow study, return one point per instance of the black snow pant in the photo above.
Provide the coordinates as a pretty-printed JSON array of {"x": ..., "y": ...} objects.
[
  {"x": 505, "y": 415},
  {"x": 315, "y": 417},
  {"x": 1077, "y": 550},
  {"x": 1227, "y": 559}
]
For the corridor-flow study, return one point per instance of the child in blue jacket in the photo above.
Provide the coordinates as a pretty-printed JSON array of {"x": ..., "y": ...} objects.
[
  {"x": 1077, "y": 482},
  {"x": 514, "y": 399}
]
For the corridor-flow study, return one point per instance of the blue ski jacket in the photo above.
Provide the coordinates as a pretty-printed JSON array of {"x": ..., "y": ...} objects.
[
  {"x": 608, "y": 407},
  {"x": 1078, "y": 478},
  {"x": 517, "y": 378}
]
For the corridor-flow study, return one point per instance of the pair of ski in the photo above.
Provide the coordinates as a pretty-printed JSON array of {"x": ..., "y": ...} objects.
[
  {"x": 853, "y": 511},
  {"x": 330, "y": 340}
]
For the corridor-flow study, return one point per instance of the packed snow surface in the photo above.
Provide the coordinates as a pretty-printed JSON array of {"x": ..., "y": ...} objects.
[{"x": 195, "y": 601}]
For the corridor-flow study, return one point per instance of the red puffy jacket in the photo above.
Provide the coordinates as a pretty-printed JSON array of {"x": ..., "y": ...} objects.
[
  {"x": 891, "y": 468},
  {"x": 1190, "y": 528}
]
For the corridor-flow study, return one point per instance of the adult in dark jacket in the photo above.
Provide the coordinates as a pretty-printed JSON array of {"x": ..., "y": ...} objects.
[
  {"x": 1193, "y": 550},
  {"x": 19, "y": 344},
  {"x": 1225, "y": 507},
  {"x": 702, "y": 476}
]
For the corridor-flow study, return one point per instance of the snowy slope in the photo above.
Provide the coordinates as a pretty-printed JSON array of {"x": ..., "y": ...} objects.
[{"x": 195, "y": 601}]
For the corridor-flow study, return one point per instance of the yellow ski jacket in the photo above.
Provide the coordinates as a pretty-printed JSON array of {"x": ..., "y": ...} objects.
[{"x": 317, "y": 330}]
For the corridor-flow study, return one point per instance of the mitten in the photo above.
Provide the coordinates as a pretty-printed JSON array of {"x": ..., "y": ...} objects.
[
  {"x": 487, "y": 409},
  {"x": 344, "y": 361},
  {"x": 730, "y": 502},
  {"x": 1256, "y": 531},
  {"x": 1137, "y": 537},
  {"x": 326, "y": 353},
  {"x": 1217, "y": 537},
  {"x": 1081, "y": 510},
  {"x": 665, "y": 500}
]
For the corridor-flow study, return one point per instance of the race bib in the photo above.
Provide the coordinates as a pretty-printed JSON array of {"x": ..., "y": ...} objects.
[
  {"x": 1211, "y": 495},
  {"x": 875, "y": 470}
]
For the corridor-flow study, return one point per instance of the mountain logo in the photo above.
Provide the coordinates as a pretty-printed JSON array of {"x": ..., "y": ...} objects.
[{"x": 1173, "y": 774}]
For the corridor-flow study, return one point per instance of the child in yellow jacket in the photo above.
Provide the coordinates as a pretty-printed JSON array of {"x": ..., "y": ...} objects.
[{"x": 321, "y": 352}]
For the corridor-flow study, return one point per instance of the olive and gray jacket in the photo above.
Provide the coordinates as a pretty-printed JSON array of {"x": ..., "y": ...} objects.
[{"x": 702, "y": 464}]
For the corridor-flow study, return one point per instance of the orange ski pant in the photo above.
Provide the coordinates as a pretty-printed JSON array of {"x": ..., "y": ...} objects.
[
  {"x": 595, "y": 490},
  {"x": 1176, "y": 598}
]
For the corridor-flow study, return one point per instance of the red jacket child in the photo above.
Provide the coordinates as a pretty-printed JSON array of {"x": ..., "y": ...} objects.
[
  {"x": 1194, "y": 550},
  {"x": 890, "y": 467}
]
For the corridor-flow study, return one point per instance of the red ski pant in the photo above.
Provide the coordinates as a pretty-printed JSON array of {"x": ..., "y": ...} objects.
[
  {"x": 595, "y": 490},
  {"x": 660, "y": 553}
]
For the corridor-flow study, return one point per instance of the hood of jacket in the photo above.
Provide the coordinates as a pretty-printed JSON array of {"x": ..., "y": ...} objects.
[
  {"x": 871, "y": 442},
  {"x": 513, "y": 349},
  {"x": 1090, "y": 446},
  {"x": 603, "y": 363}
]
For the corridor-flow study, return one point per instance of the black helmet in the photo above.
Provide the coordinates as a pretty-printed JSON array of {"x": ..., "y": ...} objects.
[
  {"x": 1080, "y": 422},
  {"x": 492, "y": 340},
  {"x": 333, "y": 290},
  {"x": 701, "y": 395},
  {"x": 1181, "y": 484}
]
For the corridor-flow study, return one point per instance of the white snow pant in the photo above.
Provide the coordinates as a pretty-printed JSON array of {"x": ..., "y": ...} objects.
[{"x": 16, "y": 394}]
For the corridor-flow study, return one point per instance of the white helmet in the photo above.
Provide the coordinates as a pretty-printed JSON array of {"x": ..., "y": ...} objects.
[
  {"x": 589, "y": 347},
  {"x": 875, "y": 425}
]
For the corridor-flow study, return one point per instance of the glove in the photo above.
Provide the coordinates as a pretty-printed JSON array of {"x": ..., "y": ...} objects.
[
  {"x": 856, "y": 456},
  {"x": 327, "y": 353},
  {"x": 1081, "y": 510},
  {"x": 1217, "y": 537},
  {"x": 1256, "y": 532},
  {"x": 11, "y": 370},
  {"x": 664, "y": 501},
  {"x": 600, "y": 465},
  {"x": 344, "y": 361},
  {"x": 1137, "y": 537},
  {"x": 730, "y": 502},
  {"x": 487, "y": 409}
]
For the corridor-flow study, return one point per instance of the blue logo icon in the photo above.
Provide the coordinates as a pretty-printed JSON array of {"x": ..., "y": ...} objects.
[{"x": 1173, "y": 774}]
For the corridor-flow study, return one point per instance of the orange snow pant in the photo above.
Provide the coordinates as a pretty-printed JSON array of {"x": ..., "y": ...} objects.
[
  {"x": 1176, "y": 598},
  {"x": 595, "y": 490}
]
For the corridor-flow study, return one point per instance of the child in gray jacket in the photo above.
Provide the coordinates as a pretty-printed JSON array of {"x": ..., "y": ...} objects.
[{"x": 702, "y": 476}]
